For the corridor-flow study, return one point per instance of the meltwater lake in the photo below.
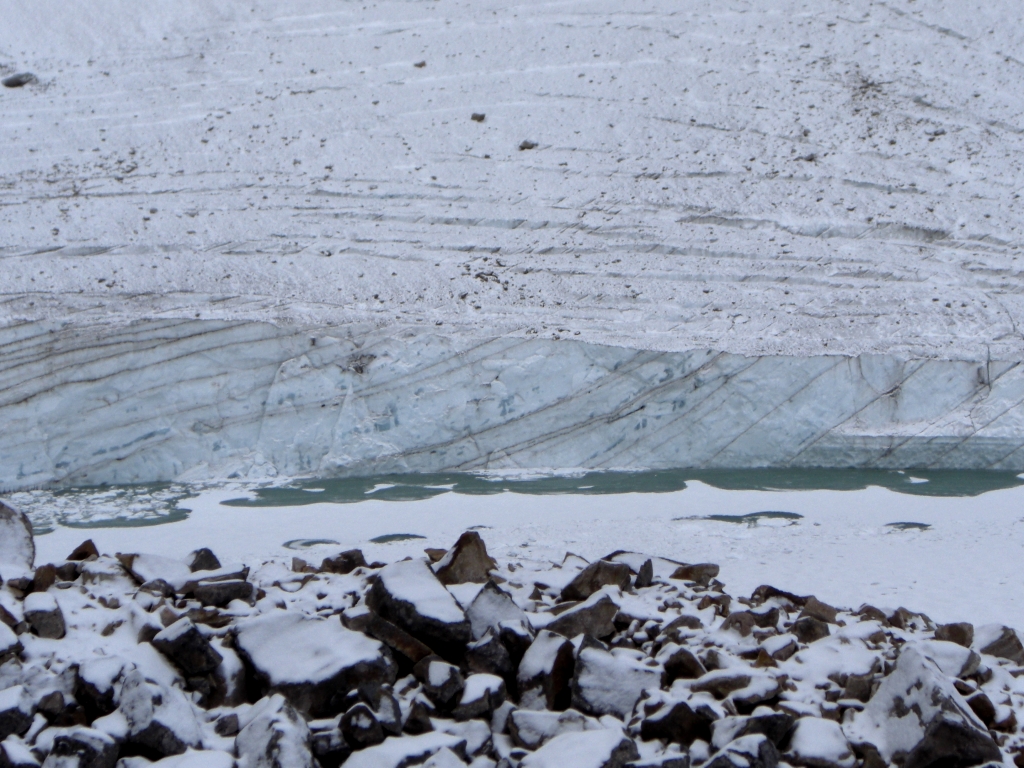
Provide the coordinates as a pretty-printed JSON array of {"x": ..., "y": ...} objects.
[{"x": 946, "y": 543}]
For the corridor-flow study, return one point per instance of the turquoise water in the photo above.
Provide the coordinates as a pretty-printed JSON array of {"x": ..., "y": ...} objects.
[{"x": 145, "y": 505}]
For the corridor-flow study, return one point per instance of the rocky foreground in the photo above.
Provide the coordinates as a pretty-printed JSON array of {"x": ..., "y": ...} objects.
[{"x": 133, "y": 659}]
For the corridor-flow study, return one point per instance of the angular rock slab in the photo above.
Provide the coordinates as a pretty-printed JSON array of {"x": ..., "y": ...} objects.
[
  {"x": 408, "y": 594},
  {"x": 467, "y": 561},
  {"x": 917, "y": 715},
  {"x": 545, "y": 672},
  {"x": 406, "y": 751},
  {"x": 611, "y": 683},
  {"x": 312, "y": 662}
]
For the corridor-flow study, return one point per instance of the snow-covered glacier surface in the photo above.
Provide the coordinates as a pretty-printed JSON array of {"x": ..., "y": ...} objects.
[{"x": 161, "y": 400}]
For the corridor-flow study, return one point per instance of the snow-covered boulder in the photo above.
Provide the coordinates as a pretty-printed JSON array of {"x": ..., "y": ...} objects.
[
  {"x": 532, "y": 729},
  {"x": 489, "y": 608},
  {"x": 679, "y": 662},
  {"x": 481, "y": 695},
  {"x": 275, "y": 737},
  {"x": 408, "y": 594},
  {"x": 313, "y": 662},
  {"x": 605, "y": 748},
  {"x": 819, "y": 743},
  {"x": 610, "y": 683},
  {"x": 545, "y": 673},
  {"x": 489, "y": 655},
  {"x": 14, "y": 753},
  {"x": 592, "y": 617},
  {"x": 406, "y": 751},
  {"x": 1001, "y": 642},
  {"x": 16, "y": 711},
  {"x": 10, "y": 645},
  {"x": 918, "y": 717},
  {"x": 159, "y": 717},
  {"x": 442, "y": 682}
]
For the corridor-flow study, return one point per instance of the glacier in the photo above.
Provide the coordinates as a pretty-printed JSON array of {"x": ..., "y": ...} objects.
[
  {"x": 749, "y": 234},
  {"x": 200, "y": 399}
]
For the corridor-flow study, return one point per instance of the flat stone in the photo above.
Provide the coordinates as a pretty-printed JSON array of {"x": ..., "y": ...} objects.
[
  {"x": 313, "y": 662},
  {"x": 610, "y": 683}
]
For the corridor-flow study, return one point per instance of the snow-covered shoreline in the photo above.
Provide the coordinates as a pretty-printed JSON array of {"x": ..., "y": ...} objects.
[{"x": 460, "y": 658}]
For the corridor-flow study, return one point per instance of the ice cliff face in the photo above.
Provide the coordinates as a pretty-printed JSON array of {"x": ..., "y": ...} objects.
[{"x": 157, "y": 400}]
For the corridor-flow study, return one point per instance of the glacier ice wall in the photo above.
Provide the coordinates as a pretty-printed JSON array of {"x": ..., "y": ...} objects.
[{"x": 162, "y": 399}]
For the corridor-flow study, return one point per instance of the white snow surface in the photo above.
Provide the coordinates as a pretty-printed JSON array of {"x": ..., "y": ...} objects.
[
  {"x": 580, "y": 749},
  {"x": 782, "y": 234}
]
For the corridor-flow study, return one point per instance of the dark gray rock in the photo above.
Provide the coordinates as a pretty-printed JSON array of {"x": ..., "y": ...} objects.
[
  {"x": 44, "y": 616},
  {"x": 489, "y": 655},
  {"x": 645, "y": 578},
  {"x": 598, "y": 574},
  {"x": 343, "y": 563},
  {"x": 952, "y": 743},
  {"x": 545, "y": 673},
  {"x": 19, "y": 80},
  {"x": 960, "y": 633},
  {"x": 202, "y": 560},
  {"x": 84, "y": 551},
  {"x": 467, "y": 561},
  {"x": 395, "y": 638},
  {"x": 361, "y": 728},
  {"x": 442, "y": 682},
  {"x": 1006, "y": 645},
  {"x": 220, "y": 593},
  {"x": 809, "y": 629},
  {"x": 16, "y": 711},
  {"x": 82, "y": 748},
  {"x": 482, "y": 694},
  {"x": 676, "y": 721},
  {"x": 187, "y": 648},
  {"x": 593, "y": 617},
  {"x": 679, "y": 663},
  {"x": 816, "y": 609}
]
